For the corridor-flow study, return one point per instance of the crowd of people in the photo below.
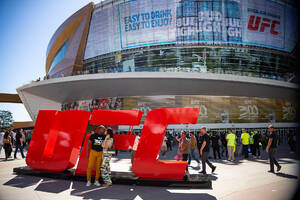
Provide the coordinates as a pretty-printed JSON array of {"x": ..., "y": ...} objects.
[
  {"x": 226, "y": 145},
  {"x": 191, "y": 146},
  {"x": 18, "y": 139}
]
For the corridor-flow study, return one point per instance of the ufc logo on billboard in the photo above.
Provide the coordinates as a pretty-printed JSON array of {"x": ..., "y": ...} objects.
[
  {"x": 57, "y": 139},
  {"x": 257, "y": 23}
]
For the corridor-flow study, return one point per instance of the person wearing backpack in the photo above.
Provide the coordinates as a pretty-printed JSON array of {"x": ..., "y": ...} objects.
[{"x": 272, "y": 148}]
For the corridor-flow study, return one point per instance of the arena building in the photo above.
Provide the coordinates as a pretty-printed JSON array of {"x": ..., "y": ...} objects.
[{"x": 234, "y": 59}]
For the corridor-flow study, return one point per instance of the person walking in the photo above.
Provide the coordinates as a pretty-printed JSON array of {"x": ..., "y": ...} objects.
[
  {"x": 199, "y": 142},
  {"x": 19, "y": 144},
  {"x": 184, "y": 146},
  {"x": 23, "y": 138},
  {"x": 230, "y": 144},
  {"x": 245, "y": 139},
  {"x": 193, "y": 148},
  {"x": 272, "y": 148},
  {"x": 107, "y": 154},
  {"x": 95, "y": 154},
  {"x": 7, "y": 144},
  {"x": 215, "y": 140},
  {"x": 204, "y": 152}
]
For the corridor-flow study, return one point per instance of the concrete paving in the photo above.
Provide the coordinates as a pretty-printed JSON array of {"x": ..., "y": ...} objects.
[{"x": 242, "y": 179}]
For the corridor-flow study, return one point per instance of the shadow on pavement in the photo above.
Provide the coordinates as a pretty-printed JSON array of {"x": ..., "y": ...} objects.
[
  {"x": 9, "y": 159},
  {"x": 53, "y": 185},
  {"x": 115, "y": 192},
  {"x": 22, "y": 181},
  {"x": 286, "y": 175},
  {"x": 280, "y": 161},
  {"x": 131, "y": 192}
]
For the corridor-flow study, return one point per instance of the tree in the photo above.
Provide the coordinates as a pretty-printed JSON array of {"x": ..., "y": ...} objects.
[{"x": 6, "y": 119}]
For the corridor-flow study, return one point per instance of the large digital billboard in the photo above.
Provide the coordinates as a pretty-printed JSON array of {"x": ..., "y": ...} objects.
[
  {"x": 135, "y": 23},
  {"x": 213, "y": 109}
]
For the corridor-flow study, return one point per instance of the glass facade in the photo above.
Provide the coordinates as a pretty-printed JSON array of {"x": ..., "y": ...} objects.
[
  {"x": 59, "y": 55},
  {"x": 255, "y": 38},
  {"x": 253, "y": 62}
]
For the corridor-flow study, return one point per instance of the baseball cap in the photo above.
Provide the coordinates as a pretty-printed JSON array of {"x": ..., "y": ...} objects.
[{"x": 271, "y": 126}]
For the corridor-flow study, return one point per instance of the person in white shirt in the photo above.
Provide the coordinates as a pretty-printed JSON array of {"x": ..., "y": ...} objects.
[{"x": 1, "y": 139}]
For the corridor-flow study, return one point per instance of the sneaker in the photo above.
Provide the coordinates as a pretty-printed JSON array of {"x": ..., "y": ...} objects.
[
  {"x": 213, "y": 169},
  {"x": 88, "y": 184},
  {"x": 271, "y": 171},
  {"x": 97, "y": 183},
  {"x": 279, "y": 168},
  {"x": 202, "y": 172}
]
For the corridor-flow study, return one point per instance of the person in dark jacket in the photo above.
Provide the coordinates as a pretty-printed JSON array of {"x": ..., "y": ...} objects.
[
  {"x": 215, "y": 140},
  {"x": 256, "y": 142},
  {"x": 204, "y": 151},
  {"x": 272, "y": 148}
]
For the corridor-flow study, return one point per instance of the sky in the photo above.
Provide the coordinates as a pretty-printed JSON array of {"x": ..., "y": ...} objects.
[{"x": 26, "y": 29}]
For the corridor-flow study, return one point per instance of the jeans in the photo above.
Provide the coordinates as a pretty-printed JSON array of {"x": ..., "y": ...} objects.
[
  {"x": 204, "y": 160},
  {"x": 230, "y": 152},
  {"x": 18, "y": 146},
  {"x": 192, "y": 156},
  {"x": 245, "y": 151},
  {"x": 273, "y": 161}
]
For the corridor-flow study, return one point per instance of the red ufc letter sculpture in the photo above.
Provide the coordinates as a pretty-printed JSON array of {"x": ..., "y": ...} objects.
[
  {"x": 108, "y": 117},
  {"x": 146, "y": 163},
  {"x": 56, "y": 140}
]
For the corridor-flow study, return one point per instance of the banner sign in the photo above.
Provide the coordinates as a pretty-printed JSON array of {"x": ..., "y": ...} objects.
[
  {"x": 213, "y": 109},
  {"x": 135, "y": 23}
]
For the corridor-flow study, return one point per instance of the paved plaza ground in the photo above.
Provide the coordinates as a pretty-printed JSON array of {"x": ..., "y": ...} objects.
[{"x": 243, "y": 179}]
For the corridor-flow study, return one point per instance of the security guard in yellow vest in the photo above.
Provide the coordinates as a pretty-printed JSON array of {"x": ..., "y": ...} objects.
[{"x": 245, "y": 139}]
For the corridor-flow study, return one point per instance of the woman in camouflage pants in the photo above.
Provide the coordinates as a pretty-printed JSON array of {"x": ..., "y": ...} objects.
[{"x": 107, "y": 154}]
